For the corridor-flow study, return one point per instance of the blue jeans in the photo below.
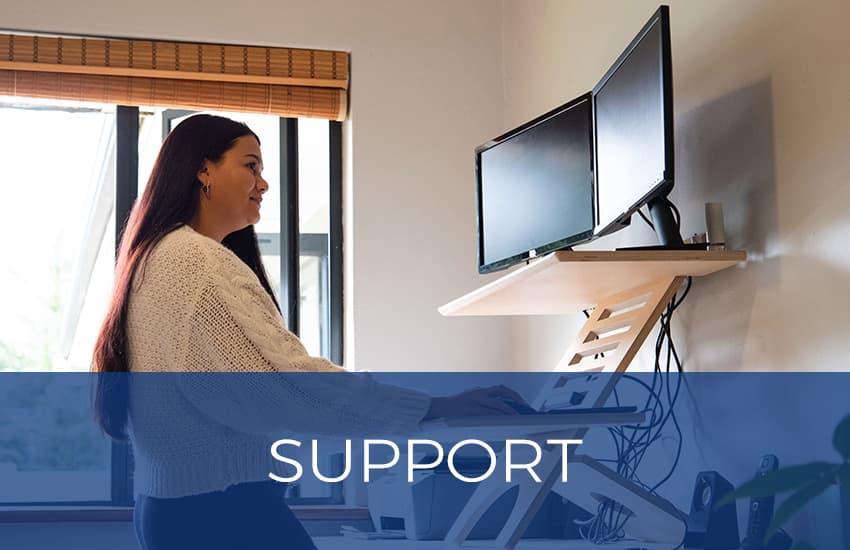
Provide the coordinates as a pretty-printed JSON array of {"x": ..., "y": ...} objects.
[{"x": 248, "y": 515}]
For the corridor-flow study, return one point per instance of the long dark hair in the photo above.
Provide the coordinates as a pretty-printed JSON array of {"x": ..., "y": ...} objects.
[{"x": 169, "y": 201}]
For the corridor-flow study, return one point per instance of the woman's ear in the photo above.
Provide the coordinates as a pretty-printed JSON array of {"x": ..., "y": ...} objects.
[{"x": 203, "y": 174}]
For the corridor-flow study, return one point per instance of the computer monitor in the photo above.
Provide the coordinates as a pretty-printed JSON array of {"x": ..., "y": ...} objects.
[
  {"x": 534, "y": 187},
  {"x": 633, "y": 137}
]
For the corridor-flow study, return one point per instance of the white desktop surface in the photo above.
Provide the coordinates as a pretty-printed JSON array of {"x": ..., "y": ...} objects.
[
  {"x": 344, "y": 543},
  {"x": 501, "y": 427}
]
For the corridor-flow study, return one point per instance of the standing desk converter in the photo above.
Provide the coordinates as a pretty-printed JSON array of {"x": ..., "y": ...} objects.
[{"x": 627, "y": 291}]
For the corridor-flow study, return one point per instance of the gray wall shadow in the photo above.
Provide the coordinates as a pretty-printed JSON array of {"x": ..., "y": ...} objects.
[
  {"x": 786, "y": 309},
  {"x": 725, "y": 153}
]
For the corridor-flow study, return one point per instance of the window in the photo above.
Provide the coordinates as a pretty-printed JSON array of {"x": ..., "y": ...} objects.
[{"x": 58, "y": 165}]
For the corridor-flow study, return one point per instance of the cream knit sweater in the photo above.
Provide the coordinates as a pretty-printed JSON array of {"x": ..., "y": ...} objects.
[{"x": 196, "y": 308}]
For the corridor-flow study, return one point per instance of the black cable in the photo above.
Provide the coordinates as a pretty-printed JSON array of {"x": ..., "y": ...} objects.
[
  {"x": 672, "y": 399},
  {"x": 631, "y": 443},
  {"x": 676, "y": 303},
  {"x": 647, "y": 220},
  {"x": 641, "y": 436},
  {"x": 587, "y": 316},
  {"x": 665, "y": 336},
  {"x": 676, "y": 214}
]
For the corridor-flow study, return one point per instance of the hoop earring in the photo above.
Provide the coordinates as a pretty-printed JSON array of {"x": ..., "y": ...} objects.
[{"x": 206, "y": 190}]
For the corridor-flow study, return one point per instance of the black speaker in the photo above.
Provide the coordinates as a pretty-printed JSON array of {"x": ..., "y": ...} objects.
[{"x": 710, "y": 527}]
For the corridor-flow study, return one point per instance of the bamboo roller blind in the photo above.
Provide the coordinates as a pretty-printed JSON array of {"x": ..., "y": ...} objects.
[{"x": 279, "y": 81}]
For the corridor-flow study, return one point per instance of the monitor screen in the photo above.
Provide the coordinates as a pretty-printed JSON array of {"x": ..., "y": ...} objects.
[
  {"x": 633, "y": 126},
  {"x": 535, "y": 187}
]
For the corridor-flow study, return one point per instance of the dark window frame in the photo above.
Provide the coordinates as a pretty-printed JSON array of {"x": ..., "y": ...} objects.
[{"x": 291, "y": 245}]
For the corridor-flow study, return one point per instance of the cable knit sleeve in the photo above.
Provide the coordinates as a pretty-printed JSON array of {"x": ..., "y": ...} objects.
[{"x": 236, "y": 328}]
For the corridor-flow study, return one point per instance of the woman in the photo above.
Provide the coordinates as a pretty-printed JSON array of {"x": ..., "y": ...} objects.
[{"x": 191, "y": 296}]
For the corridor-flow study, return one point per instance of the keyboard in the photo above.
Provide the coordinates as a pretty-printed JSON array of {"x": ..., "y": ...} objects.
[{"x": 523, "y": 408}]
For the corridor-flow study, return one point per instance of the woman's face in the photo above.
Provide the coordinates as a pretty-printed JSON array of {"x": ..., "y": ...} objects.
[{"x": 236, "y": 186}]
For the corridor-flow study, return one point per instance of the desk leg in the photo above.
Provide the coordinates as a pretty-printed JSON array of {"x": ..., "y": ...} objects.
[
  {"x": 531, "y": 497},
  {"x": 617, "y": 328},
  {"x": 482, "y": 499},
  {"x": 629, "y": 317}
]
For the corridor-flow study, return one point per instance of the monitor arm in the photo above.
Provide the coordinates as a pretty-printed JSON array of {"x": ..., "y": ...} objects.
[{"x": 661, "y": 210}]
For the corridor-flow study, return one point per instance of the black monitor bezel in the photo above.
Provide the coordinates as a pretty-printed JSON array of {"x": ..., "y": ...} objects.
[
  {"x": 663, "y": 187},
  {"x": 569, "y": 240}
]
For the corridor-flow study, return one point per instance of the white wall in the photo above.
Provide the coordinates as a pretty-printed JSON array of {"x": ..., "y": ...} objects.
[
  {"x": 762, "y": 124},
  {"x": 761, "y": 92},
  {"x": 425, "y": 89}
]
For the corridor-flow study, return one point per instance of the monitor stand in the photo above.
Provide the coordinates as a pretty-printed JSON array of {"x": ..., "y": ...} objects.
[{"x": 664, "y": 223}]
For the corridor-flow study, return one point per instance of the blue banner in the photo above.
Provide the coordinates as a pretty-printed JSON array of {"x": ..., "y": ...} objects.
[{"x": 640, "y": 460}]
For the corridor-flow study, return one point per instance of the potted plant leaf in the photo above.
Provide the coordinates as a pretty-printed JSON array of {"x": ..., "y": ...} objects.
[{"x": 808, "y": 481}]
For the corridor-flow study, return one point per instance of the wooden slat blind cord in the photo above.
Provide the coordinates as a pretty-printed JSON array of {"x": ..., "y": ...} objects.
[{"x": 279, "y": 81}]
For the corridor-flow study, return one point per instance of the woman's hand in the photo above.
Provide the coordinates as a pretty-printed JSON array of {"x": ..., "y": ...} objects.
[{"x": 478, "y": 402}]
